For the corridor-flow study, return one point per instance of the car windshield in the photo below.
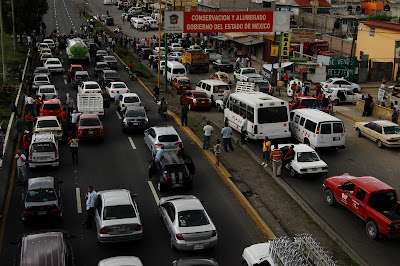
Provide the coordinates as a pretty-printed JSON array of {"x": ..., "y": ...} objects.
[
  {"x": 175, "y": 168},
  {"x": 90, "y": 122},
  {"x": 76, "y": 69},
  {"x": 309, "y": 102},
  {"x": 248, "y": 71},
  {"x": 131, "y": 99},
  {"x": 192, "y": 218},
  {"x": 51, "y": 106},
  {"x": 91, "y": 86},
  {"x": 41, "y": 79},
  {"x": 47, "y": 123},
  {"x": 53, "y": 62},
  {"x": 272, "y": 115},
  {"x": 263, "y": 85},
  {"x": 184, "y": 82},
  {"x": 119, "y": 86},
  {"x": 41, "y": 70},
  {"x": 200, "y": 95},
  {"x": 136, "y": 113},
  {"x": 46, "y": 90},
  {"x": 223, "y": 76},
  {"x": 178, "y": 71},
  {"x": 303, "y": 157},
  {"x": 103, "y": 66},
  {"x": 83, "y": 77},
  {"x": 101, "y": 52},
  {"x": 392, "y": 130},
  {"x": 168, "y": 138},
  {"x": 41, "y": 195},
  {"x": 47, "y": 55},
  {"x": 112, "y": 75},
  {"x": 43, "y": 147},
  {"x": 118, "y": 212},
  {"x": 225, "y": 62}
]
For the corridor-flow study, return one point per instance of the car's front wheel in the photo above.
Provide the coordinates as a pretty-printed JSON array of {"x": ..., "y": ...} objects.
[
  {"x": 329, "y": 197},
  {"x": 372, "y": 229},
  {"x": 379, "y": 144},
  {"x": 359, "y": 132}
]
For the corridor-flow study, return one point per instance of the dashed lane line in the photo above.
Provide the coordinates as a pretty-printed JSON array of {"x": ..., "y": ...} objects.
[
  {"x": 78, "y": 200},
  {"x": 153, "y": 191},
  {"x": 119, "y": 116},
  {"x": 132, "y": 144}
]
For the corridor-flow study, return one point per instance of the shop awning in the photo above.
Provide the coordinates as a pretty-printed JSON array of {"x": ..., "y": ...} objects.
[
  {"x": 235, "y": 35},
  {"x": 250, "y": 40},
  {"x": 220, "y": 38}
]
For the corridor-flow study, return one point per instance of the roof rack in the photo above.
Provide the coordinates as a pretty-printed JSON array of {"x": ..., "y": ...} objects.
[{"x": 245, "y": 87}]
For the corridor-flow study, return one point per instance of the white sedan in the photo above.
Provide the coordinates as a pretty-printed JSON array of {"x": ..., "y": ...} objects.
[
  {"x": 129, "y": 99},
  {"x": 49, "y": 92},
  {"x": 175, "y": 56},
  {"x": 298, "y": 83},
  {"x": 306, "y": 161},
  {"x": 340, "y": 83},
  {"x": 157, "y": 137},
  {"x": 89, "y": 87},
  {"x": 54, "y": 65},
  {"x": 119, "y": 86},
  {"x": 48, "y": 124}
]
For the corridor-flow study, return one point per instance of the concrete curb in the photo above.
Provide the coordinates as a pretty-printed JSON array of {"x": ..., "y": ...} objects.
[{"x": 349, "y": 116}]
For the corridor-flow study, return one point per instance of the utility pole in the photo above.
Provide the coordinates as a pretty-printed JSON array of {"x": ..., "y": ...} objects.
[
  {"x": 3, "y": 56},
  {"x": 13, "y": 25}
]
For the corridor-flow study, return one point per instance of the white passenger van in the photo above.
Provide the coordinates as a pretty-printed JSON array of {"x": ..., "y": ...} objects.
[
  {"x": 174, "y": 70},
  {"x": 213, "y": 88},
  {"x": 138, "y": 23},
  {"x": 267, "y": 116},
  {"x": 317, "y": 129},
  {"x": 43, "y": 150}
]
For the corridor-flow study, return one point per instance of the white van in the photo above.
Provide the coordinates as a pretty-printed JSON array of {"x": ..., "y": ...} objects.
[
  {"x": 43, "y": 150},
  {"x": 138, "y": 23},
  {"x": 153, "y": 24},
  {"x": 174, "y": 70},
  {"x": 317, "y": 129},
  {"x": 135, "y": 10},
  {"x": 213, "y": 88},
  {"x": 108, "y": 2}
]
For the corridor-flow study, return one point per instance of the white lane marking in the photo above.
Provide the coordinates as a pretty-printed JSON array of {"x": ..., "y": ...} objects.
[
  {"x": 153, "y": 191},
  {"x": 67, "y": 95},
  {"x": 119, "y": 116},
  {"x": 78, "y": 200},
  {"x": 65, "y": 82},
  {"x": 132, "y": 144}
]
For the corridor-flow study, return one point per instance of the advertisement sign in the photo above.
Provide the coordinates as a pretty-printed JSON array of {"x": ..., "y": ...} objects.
[
  {"x": 303, "y": 35},
  {"x": 274, "y": 50},
  {"x": 339, "y": 68},
  {"x": 251, "y": 21},
  {"x": 298, "y": 59},
  {"x": 285, "y": 47},
  {"x": 397, "y": 53},
  {"x": 173, "y": 22}
]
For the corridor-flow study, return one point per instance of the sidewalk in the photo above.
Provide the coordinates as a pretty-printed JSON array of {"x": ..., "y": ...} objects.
[{"x": 350, "y": 112}]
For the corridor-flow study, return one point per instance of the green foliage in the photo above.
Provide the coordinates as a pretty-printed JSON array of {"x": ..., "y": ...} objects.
[{"x": 383, "y": 17}]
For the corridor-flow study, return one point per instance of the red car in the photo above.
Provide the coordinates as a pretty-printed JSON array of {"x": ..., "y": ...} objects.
[
  {"x": 307, "y": 102},
  {"x": 51, "y": 107},
  {"x": 181, "y": 84},
  {"x": 196, "y": 99},
  {"x": 71, "y": 70},
  {"x": 89, "y": 126}
]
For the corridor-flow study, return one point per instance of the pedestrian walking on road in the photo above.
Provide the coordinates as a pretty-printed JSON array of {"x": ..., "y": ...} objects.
[
  {"x": 74, "y": 120},
  {"x": 37, "y": 105},
  {"x": 367, "y": 106},
  {"x": 237, "y": 63},
  {"x": 29, "y": 121},
  {"x": 184, "y": 113},
  {"x": 243, "y": 129},
  {"x": 91, "y": 200},
  {"x": 21, "y": 167},
  {"x": 26, "y": 141},
  {"x": 30, "y": 101},
  {"x": 19, "y": 127},
  {"x": 70, "y": 105},
  {"x": 276, "y": 159},
  {"x": 226, "y": 133},
  {"x": 266, "y": 150},
  {"x": 217, "y": 151},
  {"x": 208, "y": 129},
  {"x": 73, "y": 146}
]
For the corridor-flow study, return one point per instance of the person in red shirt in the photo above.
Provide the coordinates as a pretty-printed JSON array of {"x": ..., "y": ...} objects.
[
  {"x": 318, "y": 88},
  {"x": 29, "y": 120},
  {"x": 286, "y": 79},
  {"x": 26, "y": 140},
  {"x": 131, "y": 66},
  {"x": 64, "y": 118}
]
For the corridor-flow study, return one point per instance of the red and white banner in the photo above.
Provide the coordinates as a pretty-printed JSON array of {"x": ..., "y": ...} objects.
[{"x": 250, "y": 21}]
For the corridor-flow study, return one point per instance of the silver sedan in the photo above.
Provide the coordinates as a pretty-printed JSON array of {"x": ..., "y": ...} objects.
[
  {"x": 188, "y": 223},
  {"x": 157, "y": 137},
  {"x": 117, "y": 217}
]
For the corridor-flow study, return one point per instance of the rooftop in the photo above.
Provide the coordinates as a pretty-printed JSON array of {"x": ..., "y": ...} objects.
[{"x": 382, "y": 24}]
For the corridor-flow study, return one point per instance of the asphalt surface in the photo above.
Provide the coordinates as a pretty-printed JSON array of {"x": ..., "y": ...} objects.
[
  {"x": 360, "y": 157},
  {"x": 115, "y": 163}
]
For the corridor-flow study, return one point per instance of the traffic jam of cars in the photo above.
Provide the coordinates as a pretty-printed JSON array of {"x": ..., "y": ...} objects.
[{"x": 307, "y": 121}]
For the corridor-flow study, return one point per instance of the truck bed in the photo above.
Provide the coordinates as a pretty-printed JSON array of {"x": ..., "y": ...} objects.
[{"x": 393, "y": 215}]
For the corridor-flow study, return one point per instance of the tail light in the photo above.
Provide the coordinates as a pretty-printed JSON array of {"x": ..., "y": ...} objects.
[
  {"x": 214, "y": 233},
  {"x": 86, "y": 92},
  {"x": 187, "y": 176},
  {"x": 59, "y": 131},
  {"x": 138, "y": 227},
  {"x": 27, "y": 213},
  {"x": 326, "y": 86},
  {"x": 103, "y": 231},
  {"x": 112, "y": 91},
  {"x": 127, "y": 91},
  {"x": 54, "y": 211},
  {"x": 101, "y": 130},
  {"x": 105, "y": 80},
  {"x": 146, "y": 120},
  {"x": 179, "y": 142},
  {"x": 284, "y": 125},
  {"x": 99, "y": 92},
  {"x": 56, "y": 153},
  {"x": 317, "y": 132},
  {"x": 30, "y": 155},
  {"x": 79, "y": 131},
  {"x": 55, "y": 96},
  {"x": 179, "y": 237},
  {"x": 159, "y": 144},
  {"x": 35, "y": 131}
]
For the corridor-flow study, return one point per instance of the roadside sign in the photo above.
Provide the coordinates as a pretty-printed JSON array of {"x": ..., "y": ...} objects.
[
  {"x": 303, "y": 35},
  {"x": 298, "y": 59},
  {"x": 274, "y": 50},
  {"x": 173, "y": 21},
  {"x": 285, "y": 47}
]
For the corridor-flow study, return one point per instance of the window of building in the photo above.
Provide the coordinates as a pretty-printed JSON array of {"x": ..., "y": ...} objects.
[
  {"x": 372, "y": 32},
  {"x": 267, "y": 4}
]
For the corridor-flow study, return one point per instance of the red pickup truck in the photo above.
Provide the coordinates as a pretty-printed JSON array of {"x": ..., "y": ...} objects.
[
  {"x": 370, "y": 199},
  {"x": 307, "y": 102}
]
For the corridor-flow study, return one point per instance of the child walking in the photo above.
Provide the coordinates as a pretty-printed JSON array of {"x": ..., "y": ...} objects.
[{"x": 217, "y": 151}]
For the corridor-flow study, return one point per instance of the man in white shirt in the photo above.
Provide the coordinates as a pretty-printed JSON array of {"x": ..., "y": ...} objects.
[
  {"x": 91, "y": 201},
  {"x": 159, "y": 155},
  {"x": 21, "y": 167},
  {"x": 208, "y": 129},
  {"x": 30, "y": 101},
  {"x": 74, "y": 119},
  {"x": 243, "y": 130}
]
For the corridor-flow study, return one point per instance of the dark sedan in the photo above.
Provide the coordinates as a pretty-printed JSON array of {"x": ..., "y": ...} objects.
[
  {"x": 145, "y": 53},
  {"x": 107, "y": 76},
  {"x": 42, "y": 199},
  {"x": 100, "y": 66},
  {"x": 135, "y": 117},
  {"x": 111, "y": 61},
  {"x": 93, "y": 48},
  {"x": 223, "y": 65},
  {"x": 100, "y": 54}
]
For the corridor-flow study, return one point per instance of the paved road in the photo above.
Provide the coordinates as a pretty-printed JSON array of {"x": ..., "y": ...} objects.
[{"x": 114, "y": 163}]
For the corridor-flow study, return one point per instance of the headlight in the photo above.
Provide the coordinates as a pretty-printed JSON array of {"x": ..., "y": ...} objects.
[{"x": 125, "y": 121}]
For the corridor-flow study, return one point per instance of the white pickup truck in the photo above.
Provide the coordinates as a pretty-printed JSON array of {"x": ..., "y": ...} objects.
[
  {"x": 213, "y": 54},
  {"x": 90, "y": 103},
  {"x": 248, "y": 74}
]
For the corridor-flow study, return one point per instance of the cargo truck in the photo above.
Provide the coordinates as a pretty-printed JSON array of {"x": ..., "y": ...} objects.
[
  {"x": 196, "y": 60},
  {"x": 77, "y": 51}
]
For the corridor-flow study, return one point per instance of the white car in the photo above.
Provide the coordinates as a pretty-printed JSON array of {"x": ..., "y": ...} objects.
[
  {"x": 340, "y": 83},
  {"x": 54, "y": 65},
  {"x": 50, "y": 42},
  {"x": 157, "y": 137},
  {"x": 176, "y": 47},
  {"x": 119, "y": 86},
  {"x": 342, "y": 95},
  {"x": 49, "y": 92},
  {"x": 289, "y": 86},
  {"x": 195, "y": 47},
  {"x": 39, "y": 80},
  {"x": 48, "y": 124},
  {"x": 117, "y": 217},
  {"x": 42, "y": 70},
  {"x": 306, "y": 161},
  {"x": 147, "y": 18},
  {"x": 121, "y": 261},
  {"x": 162, "y": 65},
  {"x": 129, "y": 99},
  {"x": 89, "y": 87},
  {"x": 176, "y": 56}
]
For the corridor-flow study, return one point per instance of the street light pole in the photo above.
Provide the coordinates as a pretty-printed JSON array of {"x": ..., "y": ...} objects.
[
  {"x": 159, "y": 46},
  {"x": 13, "y": 25},
  {"x": 3, "y": 55}
]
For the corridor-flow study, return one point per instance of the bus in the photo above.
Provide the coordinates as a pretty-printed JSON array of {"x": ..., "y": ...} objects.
[{"x": 267, "y": 116}]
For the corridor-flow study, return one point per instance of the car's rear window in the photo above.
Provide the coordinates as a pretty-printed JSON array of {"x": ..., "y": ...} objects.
[
  {"x": 119, "y": 212},
  {"x": 131, "y": 99},
  {"x": 91, "y": 86},
  {"x": 89, "y": 122},
  {"x": 192, "y": 218},
  {"x": 43, "y": 147},
  {"x": 135, "y": 113},
  {"x": 225, "y": 62},
  {"x": 41, "y": 195},
  {"x": 112, "y": 75},
  {"x": 200, "y": 95},
  {"x": 46, "y": 90},
  {"x": 41, "y": 79},
  {"x": 51, "y": 106},
  {"x": 220, "y": 88},
  {"x": 392, "y": 130},
  {"x": 83, "y": 77},
  {"x": 175, "y": 168},
  {"x": 307, "y": 157},
  {"x": 184, "y": 82},
  {"x": 41, "y": 71},
  {"x": 119, "y": 86},
  {"x": 337, "y": 128},
  {"x": 168, "y": 138},
  {"x": 47, "y": 123},
  {"x": 76, "y": 68},
  {"x": 53, "y": 62}
]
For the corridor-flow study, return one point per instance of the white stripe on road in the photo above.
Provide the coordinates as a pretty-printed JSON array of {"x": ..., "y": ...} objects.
[
  {"x": 65, "y": 82},
  {"x": 78, "y": 200},
  {"x": 132, "y": 144},
  {"x": 153, "y": 191},
  {"x": 119, "y": 116}
]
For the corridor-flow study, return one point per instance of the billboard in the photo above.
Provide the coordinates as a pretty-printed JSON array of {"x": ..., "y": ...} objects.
[
  {"x": 285, "y": 47},
  {"x": 173, "y": 21},
  {"x": 251, "y": 21},
  {"x": 303, "y": 35}
]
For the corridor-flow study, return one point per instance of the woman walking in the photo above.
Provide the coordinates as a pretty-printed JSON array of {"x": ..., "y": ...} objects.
[{"x": 266, "y": 149}]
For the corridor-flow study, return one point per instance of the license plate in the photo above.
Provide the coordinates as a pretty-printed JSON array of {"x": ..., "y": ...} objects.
[
  {"x": 336, "y": 138},
  {"x": 198, "y": 246},
  {"x": 203, "y": 102},
  {"x": 43, "y": 158},
  {"x": 315, "y": 169},
  {"x": 90, "y": 132},
  {"x": 41, "y": 212},
  {"x": 121, "y": 230},
  {"x": 135, "y": 124}
]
